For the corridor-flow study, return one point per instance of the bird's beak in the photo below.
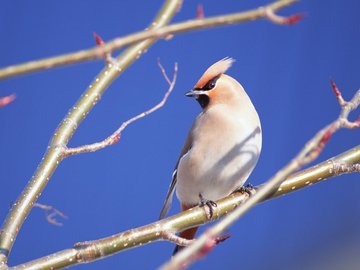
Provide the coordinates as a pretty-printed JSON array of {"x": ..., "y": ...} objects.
[{"x": 195, "y": 93}]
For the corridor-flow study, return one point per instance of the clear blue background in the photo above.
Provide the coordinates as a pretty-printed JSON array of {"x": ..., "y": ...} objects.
[{"x": 286, "y": 72}]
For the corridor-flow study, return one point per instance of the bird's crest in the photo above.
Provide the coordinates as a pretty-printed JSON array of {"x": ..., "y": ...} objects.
[{"x": 216, "y": 69}]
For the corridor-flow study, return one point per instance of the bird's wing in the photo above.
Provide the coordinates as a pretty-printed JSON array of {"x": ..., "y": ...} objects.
[{"x": 169, "y": 195}]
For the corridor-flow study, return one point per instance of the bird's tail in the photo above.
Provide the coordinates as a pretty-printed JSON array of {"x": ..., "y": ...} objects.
[{"x": 187, "y": 234}]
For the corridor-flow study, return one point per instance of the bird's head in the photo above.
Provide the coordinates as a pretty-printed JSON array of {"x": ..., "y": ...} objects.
[{"x": 214, "y": 86}]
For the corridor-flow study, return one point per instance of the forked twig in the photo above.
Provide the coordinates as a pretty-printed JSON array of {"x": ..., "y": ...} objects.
[
  {"x": 51, "y": 213},
  {"x": 115, "y": 137}
]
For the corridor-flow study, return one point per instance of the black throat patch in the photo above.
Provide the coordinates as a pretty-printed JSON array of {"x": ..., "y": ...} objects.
[{"x": 203, "y": 101}]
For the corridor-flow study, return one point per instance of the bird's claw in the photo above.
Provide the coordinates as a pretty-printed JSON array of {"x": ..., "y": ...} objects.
[
  {"x": 210, "y": 204},
  {"x": 249, "y": 189}
]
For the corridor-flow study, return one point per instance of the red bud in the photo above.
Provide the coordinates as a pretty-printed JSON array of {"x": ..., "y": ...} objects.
[
  {"x": 335, "y": 89},
  {"x": 200, "y": 12},
  {"x": 326, "y": 136},
  {"x": 7, "y": 100},
  {"x": 116, "y": 138},
  {"x": 99, "y": 41},
  {"x": 293, "y": 18}
]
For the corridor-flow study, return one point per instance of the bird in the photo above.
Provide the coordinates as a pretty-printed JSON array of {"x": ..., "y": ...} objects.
[{"x": 222, "y": 146}]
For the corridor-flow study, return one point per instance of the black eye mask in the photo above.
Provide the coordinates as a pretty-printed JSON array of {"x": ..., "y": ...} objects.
[
  {"x": 210, "y": 84},
  {"x": 204, "y": 99}
]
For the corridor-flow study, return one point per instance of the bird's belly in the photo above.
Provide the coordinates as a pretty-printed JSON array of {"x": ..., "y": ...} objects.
[{"x": 215, "y": 173}]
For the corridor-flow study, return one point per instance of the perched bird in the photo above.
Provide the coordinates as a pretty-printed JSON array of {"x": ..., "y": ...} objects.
[{"x": 222, "y": 147}]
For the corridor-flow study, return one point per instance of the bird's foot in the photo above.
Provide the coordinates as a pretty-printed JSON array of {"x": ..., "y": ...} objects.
[
  {"x": 249, "y": 189},
  {"x": 210, "y": 204}
]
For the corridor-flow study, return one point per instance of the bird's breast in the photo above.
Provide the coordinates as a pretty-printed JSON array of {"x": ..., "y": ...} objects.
[{"x": 223, "y": 154}]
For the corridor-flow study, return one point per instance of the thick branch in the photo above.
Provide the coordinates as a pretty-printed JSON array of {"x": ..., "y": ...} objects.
[
  {"x": 94, "y": 250},
  {"x": 66, "y": 129},
  {"x": 310, "y": 152},
  {"x": 159, "y": 32}
]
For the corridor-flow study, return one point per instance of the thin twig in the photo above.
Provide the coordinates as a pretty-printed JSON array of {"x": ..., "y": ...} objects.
[
  {"x": 337, "y": 93},
  {"x": 115, "y": 137},
  {"x": 159, "y": 32},
  {"x": 92, "y": 250},
  {"x": 51, "y": 213},
  {"x": 310, "y": 152},
  {"x": 163, "y": 72}
]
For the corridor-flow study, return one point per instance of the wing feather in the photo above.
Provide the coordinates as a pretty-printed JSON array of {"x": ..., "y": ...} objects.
[{"x": 172, "y": 186}]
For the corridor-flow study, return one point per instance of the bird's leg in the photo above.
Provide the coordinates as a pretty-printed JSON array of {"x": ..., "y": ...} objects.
[
  {"x": 208, "y": 203},
  {"x": 249, "y": 189}
]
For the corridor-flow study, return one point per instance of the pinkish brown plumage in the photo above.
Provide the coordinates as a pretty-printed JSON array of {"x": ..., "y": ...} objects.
[
  {"x": 216, "y": 69},
  {"x": 222, "y": 147}
]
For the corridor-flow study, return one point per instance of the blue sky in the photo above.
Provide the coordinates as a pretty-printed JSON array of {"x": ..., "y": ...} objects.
[{"x": 286, "y": 72}]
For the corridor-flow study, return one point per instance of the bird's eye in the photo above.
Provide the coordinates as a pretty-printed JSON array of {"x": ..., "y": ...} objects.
[{"x": 211, "y": 84}]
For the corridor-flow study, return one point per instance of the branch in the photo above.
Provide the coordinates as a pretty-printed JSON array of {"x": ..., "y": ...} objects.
[
  {"x": 310, "y": 152},
  {"x": 163, "y": 230},
  {"x": 65, "y": 131},
  {"x": 115, "y": 137},
  {"x": 160, "y": 32}
]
